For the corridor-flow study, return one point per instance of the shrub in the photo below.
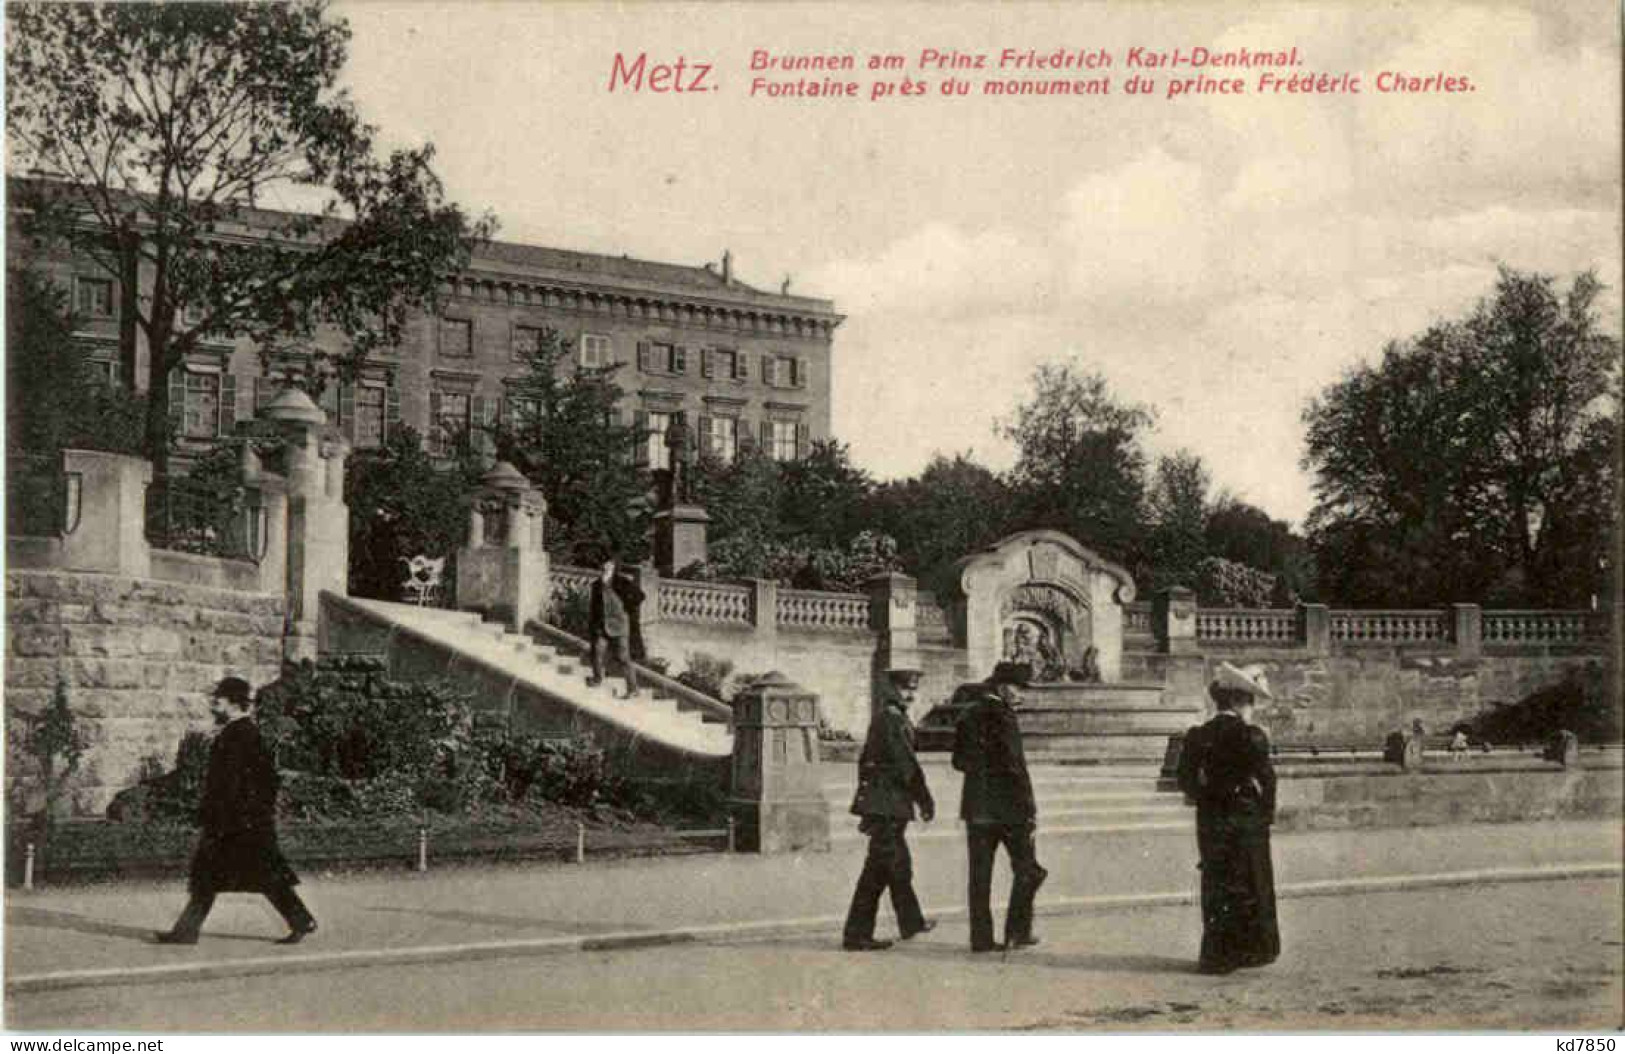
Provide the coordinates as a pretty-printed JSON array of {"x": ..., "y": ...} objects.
[
  {"x": 1579, "y": 704},
  {"x": 1227, "y": 584},
  {"x": 708, "y": 674},
  {"x": 343, "y": 717},
  {"x": 572, "y": 613}
]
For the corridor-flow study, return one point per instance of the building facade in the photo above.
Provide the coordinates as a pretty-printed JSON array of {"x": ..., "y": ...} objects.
[{"x": 739, "y": 364}]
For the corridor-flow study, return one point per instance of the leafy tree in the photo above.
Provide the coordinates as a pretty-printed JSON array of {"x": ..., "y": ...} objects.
[
  {"x": 151, "y": 132},
  {"x": 1079, "y": 467},
  {"x": 1245, "y": 534},
  {"x": 402, "y": 505},
  {"x": 742, "y": 496},
  {"x": 822, "y": 496},
  {"x": 1475, "y": 462},
  {"x": 954, "y": 507},
  {"x": 1178, "y": 510},
  {"x": 562, "y": 432},
  {"x": 53, "y": 400}
]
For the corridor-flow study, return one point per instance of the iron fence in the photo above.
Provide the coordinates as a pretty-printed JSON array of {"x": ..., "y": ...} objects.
[
  {"x": 42, "y": 500},
  {"x": 189, "y": 516}
]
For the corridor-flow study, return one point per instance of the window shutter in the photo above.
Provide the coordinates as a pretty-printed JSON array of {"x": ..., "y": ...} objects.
[
  {"x": 347, "y": 410},
  {"x": 177, "y": 399},
  {"x": 798, "y": 373},
  {"x": 329, "y": 401},
  {"x": 770, "y": 376},
  {"x": 392, "y": 408},
  {"x": 640, "y": 439},
  {"x": 228, "y": 404},
  {"x": 679, "y": 359},
  {"x": 707, "y": 444},
  {"x": 801, "y": 441},
  {"x": 643, "y": 356},
  {"x": 436, "y": 440},
  {"x": 766, "y": 432},
  {"x": 482, "y": 412},
  {"x": 705, "y": 362},
  {"x": 262, "y": 393},
  {"x": 741, "y": 366}
]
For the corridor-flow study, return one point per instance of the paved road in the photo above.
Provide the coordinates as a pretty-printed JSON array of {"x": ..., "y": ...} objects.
[{"x": 1543, "y": 956}]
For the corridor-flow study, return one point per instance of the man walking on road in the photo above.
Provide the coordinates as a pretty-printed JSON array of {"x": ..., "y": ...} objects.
[
  {"x": 998, "y": 809},
  {"x": 890, "y": 784},
  {"x": 237, "y": 851}
]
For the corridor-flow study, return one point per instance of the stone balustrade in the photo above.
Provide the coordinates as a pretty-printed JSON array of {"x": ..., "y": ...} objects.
[
  {"x": 1544, "y": 627},
  {"x": 1390, "y": 627},
  {"x": 710, "y": 602},
  {"x": 1244, "y": 625},
  {"x": 802, "y": 609}
]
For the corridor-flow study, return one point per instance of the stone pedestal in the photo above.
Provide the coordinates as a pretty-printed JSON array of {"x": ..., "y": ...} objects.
[
  {"x": 777, "y": 798},
  {"x": 680, "y": 537},
  {"x": 1468, "y": 630},
  {"x": 503, "y": 571},
  {"x": 892, "y": 603},
  {"x": 109, "y": 534},
  {"x": 318, "y": 523},
  {"x": 1173, "y": 620}
]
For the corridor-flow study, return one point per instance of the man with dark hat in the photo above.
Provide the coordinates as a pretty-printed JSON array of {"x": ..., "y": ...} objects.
[
  {"x": 890, "y": 784},
  {"x": 237, "y": 851},
  {"x": 610, "y": 619},
  {"x": 1225, "y": 769},
  {"x": 998, "y": 808}
]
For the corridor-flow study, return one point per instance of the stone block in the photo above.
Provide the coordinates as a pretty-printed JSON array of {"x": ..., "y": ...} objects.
[
  {"x": 38, "y": 641},
  {"x": 27, "y": 700},
  {"x": 33, "y": 611}
]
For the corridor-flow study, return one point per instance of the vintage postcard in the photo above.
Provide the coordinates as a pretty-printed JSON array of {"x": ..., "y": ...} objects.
[{"x": 819, "y": 517}]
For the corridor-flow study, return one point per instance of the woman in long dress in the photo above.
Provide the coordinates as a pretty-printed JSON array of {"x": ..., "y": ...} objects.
[{"x": 1225, "y": 768}]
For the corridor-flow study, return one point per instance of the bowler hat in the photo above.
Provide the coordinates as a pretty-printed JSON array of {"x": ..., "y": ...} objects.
[{"x": 233, "y": 689}]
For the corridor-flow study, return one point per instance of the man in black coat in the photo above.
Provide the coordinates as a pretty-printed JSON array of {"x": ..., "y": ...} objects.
[
  {"x": 998, "y": 809},
  {"x": 1225, "y": 769},
  {"x": 611, "y": 604},
  {"x": 237, "y": 851},
  {"x": 890, "y": 784}
]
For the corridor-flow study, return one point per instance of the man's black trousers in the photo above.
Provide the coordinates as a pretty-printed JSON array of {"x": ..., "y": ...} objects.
[
  {"x": 887, "y": 866},
  {"x": 983, "y": 841},
  {"x": 283, "y": 898}
]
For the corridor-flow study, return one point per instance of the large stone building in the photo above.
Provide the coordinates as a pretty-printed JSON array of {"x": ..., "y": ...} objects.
[{"x": 741, "y": 364}]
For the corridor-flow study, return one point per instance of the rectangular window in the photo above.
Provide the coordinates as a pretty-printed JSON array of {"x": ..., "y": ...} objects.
[
  {"x": 527, "y": 341},
  {"x": 655, "y": 443},
  {"x": 369, "y": 416},
  {"x": 595, "y": 351},
  {"x": 724, "y": 443},
  {"x": 200, "y": 414},
  {"x": 93, "y": 297},
  {"x": 457, "y": 338},
  {"x": 724, "y": 363},
  {"x": 452, "y": 420},
  {"x": 784, "y": 441}
]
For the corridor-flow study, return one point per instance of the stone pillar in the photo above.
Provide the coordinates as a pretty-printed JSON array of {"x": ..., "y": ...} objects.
[
  {"x": 680, "y": 537},
  {"x": 271, "y": 494},
  {"x": 1468, "y": 630},
  {"x": 110, "y": 535},
  {"x": 1173, "y": 620},
  {"x": 509, "y": 579},
  {"x": 318, "y": 520},
  {"x": 892, "y": 607},
  {"x": 1315, "y": 623},
  {"x": 777, "y": 797},
  {"x": 764, "y": 611}
]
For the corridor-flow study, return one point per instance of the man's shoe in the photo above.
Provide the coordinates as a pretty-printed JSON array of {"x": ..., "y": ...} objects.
[
  {"x": 171, "y": 937},
  {"x": 926, "y": 926},
  {"x": 299, "y": 933},
  {"x": 594, "y": 682},
  {"x": 1023, "y": 942},
  {"x": 865, "y": 944}
]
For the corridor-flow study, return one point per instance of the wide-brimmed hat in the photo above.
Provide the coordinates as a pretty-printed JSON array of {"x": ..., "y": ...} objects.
[{"x": 1249, "y": 679}]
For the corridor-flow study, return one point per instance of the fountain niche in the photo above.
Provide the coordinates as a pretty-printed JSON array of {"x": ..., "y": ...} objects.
[{"x": 1042, "y": 600}]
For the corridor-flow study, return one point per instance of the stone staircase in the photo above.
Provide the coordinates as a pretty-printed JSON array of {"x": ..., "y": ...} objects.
[
  {"x": 545, "y": 676},
  {"x": 1072, "y": 800}
]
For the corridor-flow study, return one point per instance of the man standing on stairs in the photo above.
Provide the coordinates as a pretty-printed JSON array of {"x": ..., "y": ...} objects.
[
  {"x": 610, "y": 623},
  {"x": 890, "y": 784},
  {"x": 998, "y": 809}
]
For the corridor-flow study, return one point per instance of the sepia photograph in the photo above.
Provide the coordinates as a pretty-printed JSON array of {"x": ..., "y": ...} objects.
[{"x": 804, "y": 518}]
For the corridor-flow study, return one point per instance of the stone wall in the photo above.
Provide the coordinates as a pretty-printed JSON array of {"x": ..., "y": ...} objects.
[
  {"x": 138, "y": 658},
  {"x": 1358, "y": 695}
]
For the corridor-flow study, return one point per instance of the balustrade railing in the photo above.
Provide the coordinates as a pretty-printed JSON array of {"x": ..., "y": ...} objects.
[
  {"x": 809, "y": 610},
  {"x": 1137, "y": 619},
  {"x": 713, "y": 602},
  {"x": 1390, "y": 627},
  {"x": 1244, "y": 625},
  {"x": 567, "y": 580},
  {"x": 191, "y": 516},
  {"x": 930, "y": 621},
  {"x": 41, "y": 499},
  {"x": 1544, "y": 627}
]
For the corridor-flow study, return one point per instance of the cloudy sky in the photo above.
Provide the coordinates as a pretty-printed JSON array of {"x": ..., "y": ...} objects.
[{"x": 1220, "y": 258}]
